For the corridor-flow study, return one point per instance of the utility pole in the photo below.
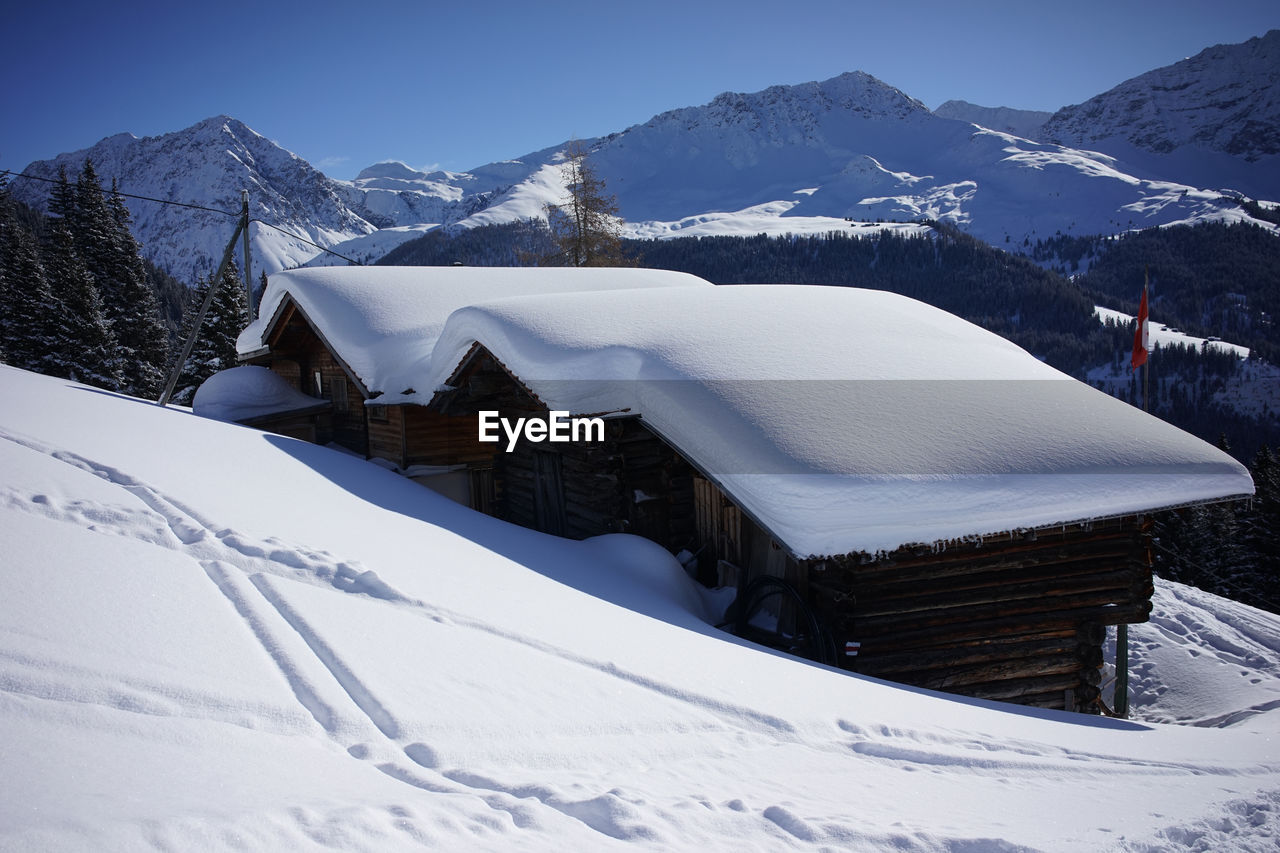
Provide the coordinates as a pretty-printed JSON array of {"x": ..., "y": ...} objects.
[
  {"x": 248, "y": 277},
  {"x": 242, "y": 227}
]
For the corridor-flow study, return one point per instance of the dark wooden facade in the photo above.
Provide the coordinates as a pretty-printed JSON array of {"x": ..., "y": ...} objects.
[
  {"x": 299, "y": 354},
  {"x": 1019, "y": 617},
  {"x": 631, "y": 481}
]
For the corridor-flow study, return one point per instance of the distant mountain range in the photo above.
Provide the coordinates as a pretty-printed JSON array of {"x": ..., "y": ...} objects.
[
  {"x": 1179, "y": 144},
  {"x": 1024, "y": 123}
]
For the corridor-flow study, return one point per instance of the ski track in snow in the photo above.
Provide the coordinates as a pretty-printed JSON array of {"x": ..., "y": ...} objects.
[{"x": 248, "y": 572}]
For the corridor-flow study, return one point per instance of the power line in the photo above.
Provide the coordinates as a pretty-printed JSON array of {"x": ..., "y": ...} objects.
[
  {"x": 1222, "y": 582},
  {"x": 308, "y": 242},
  {"x": 10, "y": 173},
  {"x": 129, "y": 195}
]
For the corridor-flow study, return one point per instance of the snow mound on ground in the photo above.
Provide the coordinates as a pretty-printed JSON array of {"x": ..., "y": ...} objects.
[
  {"x": 246, "y": 392},
  {"x": 1203, "y": 660}
]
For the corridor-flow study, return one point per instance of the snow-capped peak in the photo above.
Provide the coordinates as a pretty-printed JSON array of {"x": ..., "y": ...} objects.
[
  {"x": 1195, "y": 116},
  {"x": 208, "y": 164}
]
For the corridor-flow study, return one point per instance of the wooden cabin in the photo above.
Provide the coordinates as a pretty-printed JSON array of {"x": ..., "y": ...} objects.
[{"x": 894, "y": 491}]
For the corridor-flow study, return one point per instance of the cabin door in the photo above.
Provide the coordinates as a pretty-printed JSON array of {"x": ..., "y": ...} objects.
[
  {"x": 482, "y": 488},
  {"x": 719, "y": 526},
  {"x": 548, "y": 493}
]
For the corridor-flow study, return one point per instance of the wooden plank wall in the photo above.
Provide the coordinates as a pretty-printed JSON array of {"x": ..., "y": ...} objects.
[
  {"x": 434, "y": 438},
  {"x": 387, "y": 434},
  {"x": 296, "y": 354},
  {"x": 1020, "y": 620},
  {"x": 348, "y": 416}
]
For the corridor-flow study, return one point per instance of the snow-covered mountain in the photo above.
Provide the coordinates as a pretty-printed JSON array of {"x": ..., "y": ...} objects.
[
  {"x": 854, "y": 147},
  {"x": 1212, "y": 119},
  {"x": 799, "y": 158},
  {"x": 1024, "y": 123},
  {"x": 809, "y": 157},
  {"x": 208, "y": 164}
]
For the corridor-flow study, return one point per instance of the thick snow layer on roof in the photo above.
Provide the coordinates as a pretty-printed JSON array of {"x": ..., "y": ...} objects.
[
  {"x": 383, "y": 321},
  {"x": 244, "y": 393},
  {"x": 847, "y": 420}
]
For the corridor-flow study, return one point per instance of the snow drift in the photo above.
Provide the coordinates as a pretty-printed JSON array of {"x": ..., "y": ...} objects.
[{"x": 214, "y": 638}]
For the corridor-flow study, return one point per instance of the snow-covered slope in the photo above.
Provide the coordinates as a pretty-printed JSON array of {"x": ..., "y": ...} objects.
[
  {"x": 807, "y": 158},
  {"x": 220, "y": 639},
  {"x": 1212, "y": 120},
  {"x": 1024, "y": 123},
  {"x": 854, "y": 147}
]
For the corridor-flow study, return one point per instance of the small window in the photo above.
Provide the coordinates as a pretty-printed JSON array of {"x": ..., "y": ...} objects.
[{"x": 378, "y": 414}]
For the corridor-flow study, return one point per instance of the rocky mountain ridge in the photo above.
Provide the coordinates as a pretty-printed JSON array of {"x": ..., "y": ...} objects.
[{"x": 800, "y": 158}]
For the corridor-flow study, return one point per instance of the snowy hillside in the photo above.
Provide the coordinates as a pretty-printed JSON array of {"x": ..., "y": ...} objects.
[
  {"x": 854, "y": 147},
  {"x": 806, "y": 158},
  {"x": 248, "y": 642},
  {"x": 1212, "y": 120}
]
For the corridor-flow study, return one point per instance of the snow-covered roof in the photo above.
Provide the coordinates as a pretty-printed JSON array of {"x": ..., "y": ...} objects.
[
  {"x": 841, "y": 419},
  {"x": 847, "y": 420},
  {"x": 383, "y": 321}
]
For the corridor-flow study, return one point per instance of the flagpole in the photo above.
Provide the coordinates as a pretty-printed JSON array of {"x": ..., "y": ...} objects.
[
  {"x": 1146, "y": 364},
  {"x": 1122, "y": 630}
]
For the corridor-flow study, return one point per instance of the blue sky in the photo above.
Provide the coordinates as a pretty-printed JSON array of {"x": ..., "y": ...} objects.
[{"x": 459, "y": 85}]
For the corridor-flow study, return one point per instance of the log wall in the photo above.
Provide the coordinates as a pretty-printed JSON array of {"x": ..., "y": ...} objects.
[
  {"x": 630, "y": 482},
  {"x": 434, "y": 438},
  {"x": 386, "y": 431},
  {"x": 1015, "y": 618},
  {"x": 297, "y": 355}
]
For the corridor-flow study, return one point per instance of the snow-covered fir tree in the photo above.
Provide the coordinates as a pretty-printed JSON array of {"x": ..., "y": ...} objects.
[
  {"x": 90, "y": 353},
  {"x": 215, "y": 345},
  {"x": 29, "y": 314},
  {"x": 108, "y": 250}
]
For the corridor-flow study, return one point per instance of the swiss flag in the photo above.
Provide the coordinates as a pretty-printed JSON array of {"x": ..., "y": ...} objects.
[{"x": 1141, "y": 344}]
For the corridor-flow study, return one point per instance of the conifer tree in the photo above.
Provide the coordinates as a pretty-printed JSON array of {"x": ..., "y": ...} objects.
[
  {"x": 586, "y": 228},
  {"x": 1262, "y": 523},
  {"x": 29, "y": 313},
  {"x": 215, "y": 345},
  {"x": 89, "y": 352},
  {"x": 111, "y": 255},
  {"x": 62, "y": 201}
]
